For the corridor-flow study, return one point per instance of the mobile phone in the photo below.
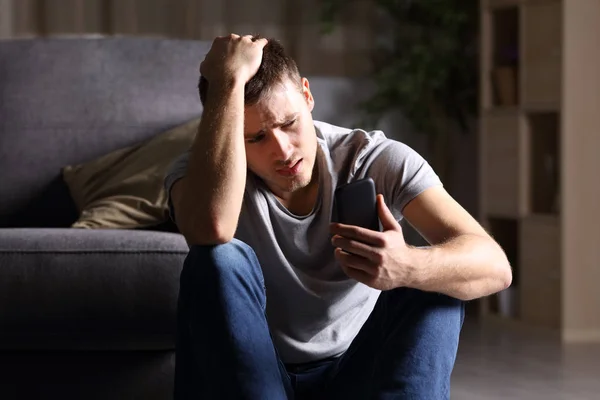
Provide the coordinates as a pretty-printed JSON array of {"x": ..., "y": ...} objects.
[{"x": 356, "y": 204}]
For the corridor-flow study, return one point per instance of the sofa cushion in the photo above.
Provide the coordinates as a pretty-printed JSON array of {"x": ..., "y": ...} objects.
[
  {"x": 66, "y": 289},
  {"x": 125, "y": 188},
  {"x": 70, "y": 100}
]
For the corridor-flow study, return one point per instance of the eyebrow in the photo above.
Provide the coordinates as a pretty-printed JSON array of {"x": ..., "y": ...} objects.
[{"x": 278, "y": 123}]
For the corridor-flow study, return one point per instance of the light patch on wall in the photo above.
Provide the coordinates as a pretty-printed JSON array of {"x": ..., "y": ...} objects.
[{"x": 6, "y": 17}]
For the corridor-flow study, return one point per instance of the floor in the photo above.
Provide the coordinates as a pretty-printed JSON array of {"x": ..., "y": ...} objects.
[{"x": 499, "y": 361}]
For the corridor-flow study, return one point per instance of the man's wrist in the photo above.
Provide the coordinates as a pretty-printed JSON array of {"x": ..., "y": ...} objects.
[
  {"x": 225, "y": 86},
  {"x": 417, "y": 266},
  {"x": 222, "y": 94}
]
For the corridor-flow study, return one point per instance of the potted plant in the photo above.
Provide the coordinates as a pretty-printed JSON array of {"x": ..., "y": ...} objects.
[{"x": 424, "y": 65}]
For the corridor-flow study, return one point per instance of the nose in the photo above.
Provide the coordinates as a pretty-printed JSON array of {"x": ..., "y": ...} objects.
[{"x": 281, "y": 146}]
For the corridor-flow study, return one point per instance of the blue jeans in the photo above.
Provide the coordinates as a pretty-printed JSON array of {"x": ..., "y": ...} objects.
[{"x": 405, "y": 350}]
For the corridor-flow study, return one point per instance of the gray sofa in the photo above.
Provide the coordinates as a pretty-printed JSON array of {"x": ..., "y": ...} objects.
[
  {"x": 90, "y": 314},
  {"x": 85, "y": 313}
]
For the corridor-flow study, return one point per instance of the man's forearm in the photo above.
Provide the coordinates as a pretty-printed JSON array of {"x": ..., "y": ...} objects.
[
  {"x": 466, "y": 267},
  {"x": 216, "y": 175}
]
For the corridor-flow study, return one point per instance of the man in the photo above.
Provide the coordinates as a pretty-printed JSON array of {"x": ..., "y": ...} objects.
[{"x": 275, "y": 300}]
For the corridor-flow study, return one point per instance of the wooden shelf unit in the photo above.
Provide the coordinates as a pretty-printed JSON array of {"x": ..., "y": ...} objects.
[{"x": 539, "y": 169}]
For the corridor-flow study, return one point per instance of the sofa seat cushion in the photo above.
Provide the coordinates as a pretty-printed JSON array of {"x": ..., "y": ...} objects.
[{"x": 79, "y": 289}]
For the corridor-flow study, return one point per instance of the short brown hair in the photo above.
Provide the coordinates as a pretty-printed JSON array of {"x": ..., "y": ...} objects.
[{"x": 275, "y": 67}]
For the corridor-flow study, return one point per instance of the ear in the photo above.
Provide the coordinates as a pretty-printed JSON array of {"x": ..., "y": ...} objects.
[{"x": 310, "y": 101}]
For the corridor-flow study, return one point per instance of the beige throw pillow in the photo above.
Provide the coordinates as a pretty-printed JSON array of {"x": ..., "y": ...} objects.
[{"x": 124, "y": 189}]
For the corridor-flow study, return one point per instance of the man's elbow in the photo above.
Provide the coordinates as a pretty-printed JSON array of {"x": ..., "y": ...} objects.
[
  {"x": 206, "y": 234},
  {"x": 497, "y": 278},
  {"x": 199, "y": 227},
  {"x": 503, "y": 270},
  {"x": 506, "y": 275},
  {"x": 208, "y": 238}
]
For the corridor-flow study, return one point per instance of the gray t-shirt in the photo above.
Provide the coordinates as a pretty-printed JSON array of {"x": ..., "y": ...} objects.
[{"x": 314, "y": 310}]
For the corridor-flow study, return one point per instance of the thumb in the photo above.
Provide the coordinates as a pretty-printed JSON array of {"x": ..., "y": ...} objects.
[{"x": 388, "y": 222}]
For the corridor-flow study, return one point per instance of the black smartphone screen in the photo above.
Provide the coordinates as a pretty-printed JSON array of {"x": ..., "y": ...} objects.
[{"x": 356, "y": 204}]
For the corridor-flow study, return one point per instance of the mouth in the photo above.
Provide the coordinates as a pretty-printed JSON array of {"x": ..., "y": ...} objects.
[{"x": 292, "y": 170}]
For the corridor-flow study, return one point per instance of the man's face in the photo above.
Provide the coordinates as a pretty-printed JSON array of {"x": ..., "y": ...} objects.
[{"x": 280, "y": 138}]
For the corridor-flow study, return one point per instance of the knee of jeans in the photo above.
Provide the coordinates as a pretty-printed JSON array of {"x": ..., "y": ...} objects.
[
  {"x": 430, "y": 309},
  {"x": 232, "y": 258},
  {"x": 447, "y": 311}
]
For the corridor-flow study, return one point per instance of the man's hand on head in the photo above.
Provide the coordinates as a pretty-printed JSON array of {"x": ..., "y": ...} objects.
[
  {"x": 232, "y": 59},
  {"x": 381, "y": 260}
]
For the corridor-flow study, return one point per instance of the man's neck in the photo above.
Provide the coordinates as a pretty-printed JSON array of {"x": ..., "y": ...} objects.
[{"x": 303, "y": 202}]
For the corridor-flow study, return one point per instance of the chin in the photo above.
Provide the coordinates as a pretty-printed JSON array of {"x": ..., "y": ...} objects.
[{"x": 293, "y": 185}]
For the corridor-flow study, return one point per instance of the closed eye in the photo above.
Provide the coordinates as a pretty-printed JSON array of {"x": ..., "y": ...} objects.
[
  {"x": 290, "y": 123},
  {"x": 256, "y": 138},
  {"x": 260, "y": 136}
]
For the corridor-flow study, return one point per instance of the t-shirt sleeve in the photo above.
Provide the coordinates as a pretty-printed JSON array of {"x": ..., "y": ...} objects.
[
  {"x": 400, "y": 174},
  {"x": 175, "y": 172}
]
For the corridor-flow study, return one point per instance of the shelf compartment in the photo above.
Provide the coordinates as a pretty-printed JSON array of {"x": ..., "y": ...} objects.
[
  {"x": 504, "y": 73},
  {"x": 540, "y": 273},
  {"x": 541, "y": 60},
  {"x": 544, "y": 162},
  {"x": 502, "y": 155}
]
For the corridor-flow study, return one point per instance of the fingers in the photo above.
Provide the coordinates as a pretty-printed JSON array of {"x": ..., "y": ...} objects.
[
  {"x": 353, "y": 261},
  {"x": 358, "y": 233},
  {"x": 234, "y": 39},
  {"x": 262, "y": 42},
  {"x": 359, "y": 275},
  {"x": 355, "y": 247},
  {"x": 233, "y": 36},
  {"x": 354, "y": 268},
  {"x": 230, "y": 36}
]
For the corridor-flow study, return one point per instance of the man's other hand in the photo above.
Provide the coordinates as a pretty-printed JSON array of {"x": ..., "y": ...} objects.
[{"x": 232, "y": 59}]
